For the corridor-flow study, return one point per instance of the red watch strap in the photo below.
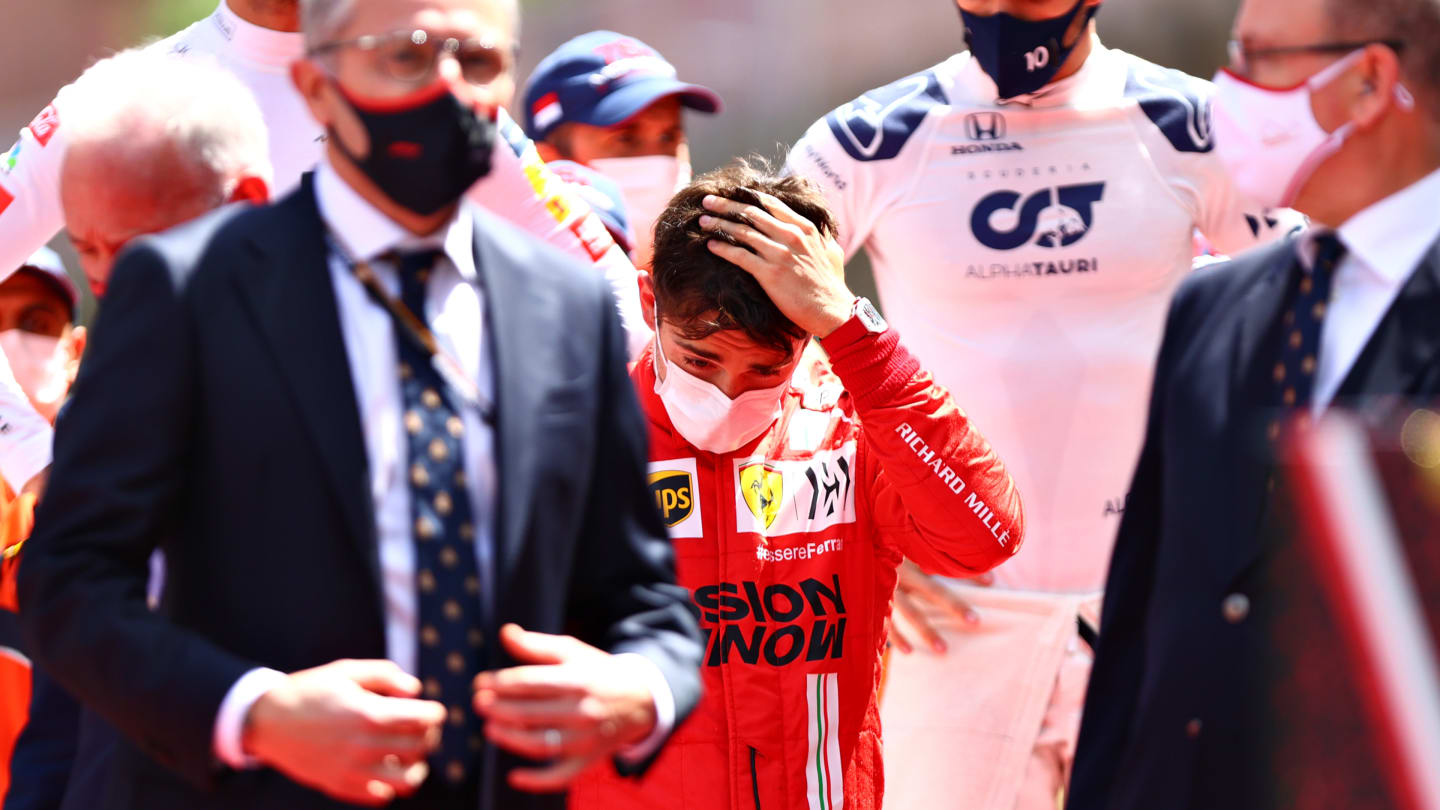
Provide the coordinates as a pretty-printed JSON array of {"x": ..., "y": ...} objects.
[{"x": 848, "y": 332}]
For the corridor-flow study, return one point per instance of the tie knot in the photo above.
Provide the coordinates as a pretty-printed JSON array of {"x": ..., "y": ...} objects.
[
  {"x": 414, "y": 264},
  {"x": 1329, "y": 250},
  {"x": 414, "y": 267}
]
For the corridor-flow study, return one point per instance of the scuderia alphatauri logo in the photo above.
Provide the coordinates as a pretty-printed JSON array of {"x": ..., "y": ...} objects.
[
  {"x": 776, "y": 498},
  {"x": 776, "y": 624},
  {"x": 672, "y": 485}
]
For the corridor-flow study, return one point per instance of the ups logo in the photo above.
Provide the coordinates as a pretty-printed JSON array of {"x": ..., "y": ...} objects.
[{"x": 674, "y": 495}]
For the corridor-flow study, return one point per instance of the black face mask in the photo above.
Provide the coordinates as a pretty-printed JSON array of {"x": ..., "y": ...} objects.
[
  {"x": 1022, "y": 56},
  {"x": 423, "y": 156}
]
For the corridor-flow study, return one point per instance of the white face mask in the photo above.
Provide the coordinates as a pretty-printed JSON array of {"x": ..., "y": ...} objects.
[
  {"x": 38, "y": 363},
  {"x": 1268, "y": 139},
  {"x": 706, "y": 417},
  {"x": 647, "y": 183}
]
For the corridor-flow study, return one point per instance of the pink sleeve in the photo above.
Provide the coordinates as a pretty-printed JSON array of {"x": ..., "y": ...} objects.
[
  {"x": 523, "y": 190},
  {"x": 30, "y": 212}
]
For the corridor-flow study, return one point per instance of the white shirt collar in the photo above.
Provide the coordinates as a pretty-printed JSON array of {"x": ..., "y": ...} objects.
[
  {"x": 263, "y": 46},
  {"x": 1390, "y": 237},
  {"x": 365, "y": 233}
]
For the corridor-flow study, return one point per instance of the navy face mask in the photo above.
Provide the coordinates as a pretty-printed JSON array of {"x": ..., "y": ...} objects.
[
  {"x": 425, "y": 150},
  {"x": 1022, "y": 56}
]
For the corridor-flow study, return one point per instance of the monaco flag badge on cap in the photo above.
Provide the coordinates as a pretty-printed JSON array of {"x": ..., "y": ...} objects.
[{"x": 603, "y": 78}]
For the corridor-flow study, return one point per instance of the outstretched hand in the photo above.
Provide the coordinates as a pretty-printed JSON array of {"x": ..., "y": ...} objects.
[{"x": 919, "y": 597}]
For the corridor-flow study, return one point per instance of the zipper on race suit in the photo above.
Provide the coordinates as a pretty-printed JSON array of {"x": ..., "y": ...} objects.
[
  {"x": 754, "y": 777},
  {"x": 721, "y": 470}
]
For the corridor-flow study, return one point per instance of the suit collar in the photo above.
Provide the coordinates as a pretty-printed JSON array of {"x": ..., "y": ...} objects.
[
  {"x": 513, "y": 303},
  {"x": 1248, "y": 411},
  {"x": 1405, "y": 343},
  {"x": 290, "y": 294},
  {"x": 1259, "y": 311}
]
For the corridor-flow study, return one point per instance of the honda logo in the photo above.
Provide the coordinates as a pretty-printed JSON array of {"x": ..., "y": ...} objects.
[{"x": 985, "y": 126}]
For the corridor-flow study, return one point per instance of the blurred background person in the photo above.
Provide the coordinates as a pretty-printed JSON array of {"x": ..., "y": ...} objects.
[
  {"x": 612, "y": 103},
  {"x": 257, "y": 41},
  {"x": 840, "y": 465},
  {"x": 605, "y": 198},
  {"x": 146, "y": 151},
  {"x": 38, "y": 305},
  {"x": 1332, "y": 106},
  {"x": 253, "y": 40},
  {"x": 155, "y": 140},
  {"x": 1029, "y": 206},
  {"x": 57, "y": 342},
  {"x": 402, "y": 526}
]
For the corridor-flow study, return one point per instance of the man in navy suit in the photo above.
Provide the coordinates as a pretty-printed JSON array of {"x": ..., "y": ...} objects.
[
  {"x": 376, "y": 433},
  {"x": 1331, "y": 107}
]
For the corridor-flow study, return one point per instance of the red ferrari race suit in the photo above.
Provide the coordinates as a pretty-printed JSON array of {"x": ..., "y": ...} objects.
[{"x": 790, "y": 547}]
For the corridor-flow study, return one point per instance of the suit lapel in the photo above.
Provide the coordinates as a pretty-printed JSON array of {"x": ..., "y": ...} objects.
[
  {"x": 1259, "y": 312},
  {"x": 291, "y": 295},
  {"x": 1248, "y": 405},
  {"x": 1405, "y": 343},
  {"x": 514, "y": 309}
]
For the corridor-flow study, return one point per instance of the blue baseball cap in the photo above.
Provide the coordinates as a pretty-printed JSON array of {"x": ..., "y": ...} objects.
[
  {"x": 604, "y": 196},
  {"x": 603, "y": 78}
]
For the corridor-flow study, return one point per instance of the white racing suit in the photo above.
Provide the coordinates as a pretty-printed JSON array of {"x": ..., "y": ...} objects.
[{"x": 1028, "y": 252}]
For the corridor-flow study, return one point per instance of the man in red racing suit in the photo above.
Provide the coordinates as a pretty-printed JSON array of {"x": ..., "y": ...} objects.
[{"x": 792, "y": 488}]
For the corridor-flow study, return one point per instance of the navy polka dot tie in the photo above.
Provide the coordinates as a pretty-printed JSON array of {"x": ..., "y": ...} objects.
[
  {"x": 446, "y": 576},
  {"x": 1301, "y": 322}
]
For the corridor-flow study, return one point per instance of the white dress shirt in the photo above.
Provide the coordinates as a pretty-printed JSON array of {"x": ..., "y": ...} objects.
[
  {"x": 454, "y": 309},
  {"x": 1384, "y": 244}
]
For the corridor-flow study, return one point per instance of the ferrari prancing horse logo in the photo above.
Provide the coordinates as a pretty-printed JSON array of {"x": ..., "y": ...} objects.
[{"x": 762, "y": 486}]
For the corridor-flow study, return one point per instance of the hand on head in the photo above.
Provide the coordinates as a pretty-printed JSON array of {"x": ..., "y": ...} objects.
[{"x": 801, "y": 269}]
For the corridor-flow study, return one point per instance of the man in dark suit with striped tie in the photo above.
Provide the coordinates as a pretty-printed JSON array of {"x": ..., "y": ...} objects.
[
  {"x": 1331, "y": 107},
  {"x": 376, "y": 433}
]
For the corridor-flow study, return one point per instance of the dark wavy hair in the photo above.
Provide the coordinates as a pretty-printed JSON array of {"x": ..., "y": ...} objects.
[{"x": 700, "y": 293}]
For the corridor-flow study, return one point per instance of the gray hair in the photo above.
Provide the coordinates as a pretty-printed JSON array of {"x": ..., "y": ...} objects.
[
  {"x": 190, "y": 102},
  {"x": 1416, "y": 23},
  {"x": 323, "y": 20}
]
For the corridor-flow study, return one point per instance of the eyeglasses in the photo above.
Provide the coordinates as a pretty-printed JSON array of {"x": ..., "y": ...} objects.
[
  {"x": 411, "y": 56},
  {"x": 1241, "y": 58}
]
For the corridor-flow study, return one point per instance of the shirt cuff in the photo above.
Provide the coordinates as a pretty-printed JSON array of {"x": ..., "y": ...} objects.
[
  {"x": 230, "y": 720},
  {"x": 649, "y": 673}
]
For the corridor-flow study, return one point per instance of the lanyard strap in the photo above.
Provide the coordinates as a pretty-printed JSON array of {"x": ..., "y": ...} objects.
[{"x": 418, "y": 332}]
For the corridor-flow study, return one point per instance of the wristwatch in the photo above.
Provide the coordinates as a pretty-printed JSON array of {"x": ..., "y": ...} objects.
[{"x": 864, "y": 320}]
